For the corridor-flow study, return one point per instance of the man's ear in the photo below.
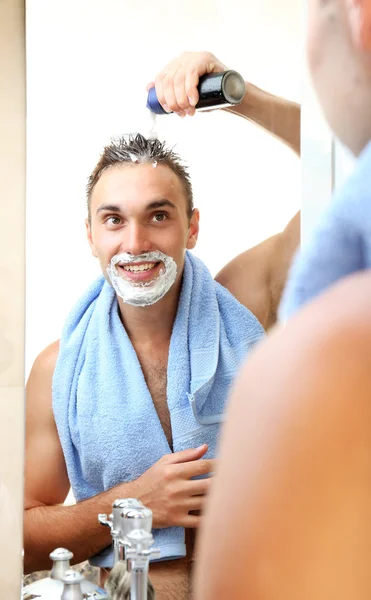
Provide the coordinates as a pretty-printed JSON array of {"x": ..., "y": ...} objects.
[
  {"x": 359, "y": 19},
  {"x": 194, "y": 227},
  {"x": 90, "y": 238}
]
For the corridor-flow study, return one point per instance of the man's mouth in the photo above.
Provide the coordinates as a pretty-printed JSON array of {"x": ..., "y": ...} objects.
[
  {"x": 134, "y": 268},
  {"x": 140, "y": 271}
]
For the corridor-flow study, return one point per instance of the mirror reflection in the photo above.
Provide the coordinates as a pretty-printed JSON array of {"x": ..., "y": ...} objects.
[{"x": 158, "y": 249}]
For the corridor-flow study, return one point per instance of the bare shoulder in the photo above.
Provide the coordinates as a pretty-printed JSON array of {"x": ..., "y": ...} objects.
[
  {"x": 39, "y": 385},
  {"x": 258, "y": 276},
  {"x": 43, "y": 368},
  {"x": 46, "y": 480},
  {"x": 39, "y": 410},
  {"x": 47, "y": 359},
  {"x": 247, "y": 278}
]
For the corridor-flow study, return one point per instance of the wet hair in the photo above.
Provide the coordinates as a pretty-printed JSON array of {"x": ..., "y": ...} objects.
[{"x": 137, "y": 148}]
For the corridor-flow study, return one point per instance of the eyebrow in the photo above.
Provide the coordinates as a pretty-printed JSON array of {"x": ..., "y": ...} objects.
[{"x": 150, "y": 206}]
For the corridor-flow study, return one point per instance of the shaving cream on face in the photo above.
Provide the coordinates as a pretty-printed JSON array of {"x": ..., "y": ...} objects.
[{"x": 143, "y": 293}]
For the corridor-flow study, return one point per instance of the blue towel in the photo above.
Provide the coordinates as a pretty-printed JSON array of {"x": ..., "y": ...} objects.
[
  {"x": 339, "y": 246},
  {"x": 107, "y": 423}
]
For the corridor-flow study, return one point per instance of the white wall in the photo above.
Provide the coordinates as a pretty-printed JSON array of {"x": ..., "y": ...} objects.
[
  {"x": 88, "y": 63},
  {"x": 317, "y": 160}
]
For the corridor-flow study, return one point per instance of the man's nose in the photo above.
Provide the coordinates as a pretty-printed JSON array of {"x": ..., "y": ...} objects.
[{"x": 136, "y": 240}]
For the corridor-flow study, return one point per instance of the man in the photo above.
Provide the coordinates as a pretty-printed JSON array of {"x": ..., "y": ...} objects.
[
  {"x": 294, "y": 478},
  {"x": 142, "y": 370}
]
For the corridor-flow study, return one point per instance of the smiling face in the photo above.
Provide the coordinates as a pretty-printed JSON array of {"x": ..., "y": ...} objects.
[{"x": 139, "y": 221}]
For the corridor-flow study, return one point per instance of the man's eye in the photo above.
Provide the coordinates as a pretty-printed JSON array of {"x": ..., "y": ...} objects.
[
  {"x": 113, "y": 220},
  {"x": 159, "y": 217}
]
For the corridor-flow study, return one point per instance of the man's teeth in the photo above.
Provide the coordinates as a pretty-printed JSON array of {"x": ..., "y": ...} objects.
[{"x": 137, "y": 268}]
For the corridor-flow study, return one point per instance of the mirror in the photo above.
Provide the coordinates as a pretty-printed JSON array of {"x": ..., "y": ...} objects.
[{"x": 88, "y": 66}]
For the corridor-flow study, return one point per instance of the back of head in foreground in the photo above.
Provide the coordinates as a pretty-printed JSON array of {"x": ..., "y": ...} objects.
[
  {"x": 339, "y": 51},
  {"x": 290, "y": 511}
]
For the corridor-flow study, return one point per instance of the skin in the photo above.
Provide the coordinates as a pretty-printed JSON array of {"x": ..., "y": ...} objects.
[
  {"x": 133, "y": 224},
  {"x": 136, "y": 228},
  {"x": 295, "y": 469},
  {"x": 294, "y": 479}
]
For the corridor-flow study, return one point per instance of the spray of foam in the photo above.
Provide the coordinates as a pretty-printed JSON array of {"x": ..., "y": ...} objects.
[
  {"x": 152, "y": 134},
  {"x": 143, "y": 293}
]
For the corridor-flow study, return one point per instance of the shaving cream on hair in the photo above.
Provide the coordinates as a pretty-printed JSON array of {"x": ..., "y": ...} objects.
[{"x": 142, "y": 293}]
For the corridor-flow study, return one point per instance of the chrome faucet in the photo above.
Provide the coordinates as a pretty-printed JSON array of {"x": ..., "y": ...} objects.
[
  {"x": 61, "y": 562},
  {"x": 136, "y": 527},
  {"x": 72, "y": 585},
  {"x": 113, "y": 521},
  {"x": 131, "y": 526}
]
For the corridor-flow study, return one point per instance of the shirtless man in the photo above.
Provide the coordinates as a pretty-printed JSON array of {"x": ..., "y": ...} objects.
[
  {"x": 295, "y": 471},
  {"x": 137, "y": 209}
]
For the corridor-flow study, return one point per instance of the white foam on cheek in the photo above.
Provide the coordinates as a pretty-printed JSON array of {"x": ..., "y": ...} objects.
[
  {"x": 154, "y": 164},
  {"x": 143, "y": 294}
]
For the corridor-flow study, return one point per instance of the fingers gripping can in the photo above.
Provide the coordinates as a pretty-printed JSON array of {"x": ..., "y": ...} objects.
[{"x": 216, "y": 90}]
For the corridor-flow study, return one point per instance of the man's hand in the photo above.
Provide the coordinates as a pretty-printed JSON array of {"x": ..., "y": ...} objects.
[
  {"x": 176, "y": 84},
  {"x": 168, "y": 490}
]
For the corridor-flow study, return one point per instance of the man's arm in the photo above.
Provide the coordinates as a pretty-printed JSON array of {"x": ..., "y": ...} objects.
[
  {"x": 258, "y": 276},
  {"x": 294, "y": 477},
  {"x": 47, "y": 523},
  {"x": 176, "y": 89},
  {"x": 167, "y": 487},
  {"x": 276, "y": 115}
]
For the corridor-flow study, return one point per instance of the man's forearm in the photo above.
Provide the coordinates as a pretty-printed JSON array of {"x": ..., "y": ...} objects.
[
  {"x": 276, "y": 115},
  {"x": 73, "y": 527}
]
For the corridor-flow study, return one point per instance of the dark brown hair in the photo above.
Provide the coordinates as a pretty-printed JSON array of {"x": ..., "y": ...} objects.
[{"x": 142, "y": 150}]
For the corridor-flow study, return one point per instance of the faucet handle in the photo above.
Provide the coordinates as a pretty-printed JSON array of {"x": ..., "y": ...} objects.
[
  {"x": 61, "y": 562},
  {"x": 72, "y": 585},
  {"x": 140, "y": 545},
  {"x": 61, "y": 554},
  {"x": 105, "y": 520}
]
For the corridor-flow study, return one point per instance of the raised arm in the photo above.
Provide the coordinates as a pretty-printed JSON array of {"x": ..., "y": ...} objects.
[
  {"x": 276, "y": 115},
  {"x": 258, "y": 276},
  {"x": 176, "y": 88},
  {"x": 289, "y": 515}
]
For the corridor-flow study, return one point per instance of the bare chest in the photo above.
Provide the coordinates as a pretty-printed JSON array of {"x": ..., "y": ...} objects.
[{"x": 154, "y": 369}]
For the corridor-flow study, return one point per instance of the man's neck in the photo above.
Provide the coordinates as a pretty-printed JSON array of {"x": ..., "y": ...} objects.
[{"x": 151, "y": 325}]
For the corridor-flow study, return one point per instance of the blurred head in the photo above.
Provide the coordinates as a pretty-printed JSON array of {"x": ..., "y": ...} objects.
[
  {"x": 339, "y": 53},
  {"x": 141, "y": 218}
]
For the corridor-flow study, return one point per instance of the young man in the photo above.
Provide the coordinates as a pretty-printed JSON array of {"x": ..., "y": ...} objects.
[
  {"x": 294, "y": 478},
  {"x": 131, "y": 398}
]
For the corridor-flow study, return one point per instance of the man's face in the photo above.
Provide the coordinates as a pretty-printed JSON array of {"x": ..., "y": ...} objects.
[
  {"x": 339, "y": 56},
  {"x": 137, "y": 209}
]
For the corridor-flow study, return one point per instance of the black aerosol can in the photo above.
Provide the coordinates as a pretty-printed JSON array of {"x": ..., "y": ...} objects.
[{"x": 216, "y": 90}]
